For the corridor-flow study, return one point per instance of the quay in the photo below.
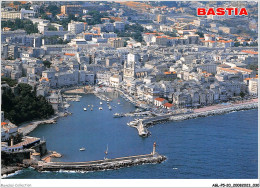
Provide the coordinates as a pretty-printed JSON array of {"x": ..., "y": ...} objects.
[
  {"x": 105, "y": 164},
  {"x": 133, "y": 114},
  {"x": 219, "y": 111}
]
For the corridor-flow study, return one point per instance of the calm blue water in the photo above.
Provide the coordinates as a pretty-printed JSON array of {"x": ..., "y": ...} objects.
[{"x": 223, "y": 146}]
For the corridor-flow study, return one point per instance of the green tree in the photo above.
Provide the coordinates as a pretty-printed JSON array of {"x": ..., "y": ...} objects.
[
  {"x": 27, "y": 25},
  {"x": 200, "y": 34},
  {"x": 53, "y": 9},
  {"x": 47, "y": 63},
  {"x": 242, "y": 94},
  {"x": 236, "y": 44},
  {"x": 25, "y": 106},
  {"x": 52, "y": 28},
  {"x": 9, "y": 81}
]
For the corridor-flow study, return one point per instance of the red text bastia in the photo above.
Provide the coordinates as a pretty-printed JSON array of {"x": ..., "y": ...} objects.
[{"x": 221, "y": 11}]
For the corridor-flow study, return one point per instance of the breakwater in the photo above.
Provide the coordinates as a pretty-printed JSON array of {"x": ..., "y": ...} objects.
[
  {"x": 215, "y": 112},
  {"x": 106, "y": 164},
  {"x": 142, "y": 124}
]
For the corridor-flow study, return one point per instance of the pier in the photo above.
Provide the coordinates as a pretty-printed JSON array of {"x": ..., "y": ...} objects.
[
  {"x": 142, "y": 124},
  {"x": 133, "y": 114},
  {"x": 105, "y": 164}
]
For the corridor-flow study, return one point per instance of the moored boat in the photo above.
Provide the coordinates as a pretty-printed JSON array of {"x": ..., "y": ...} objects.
[{"x": 82, "y": 149}]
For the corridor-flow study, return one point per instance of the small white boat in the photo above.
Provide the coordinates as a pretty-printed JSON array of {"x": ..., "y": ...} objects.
[
  {"x": 85, "y": 109},
  {"x": 88, "y": 105},
  {"x": 92, "y": 105},
  {"x": 106, "y": 152},
  {"x": 100, "y": 108},
  {"x": 101, "y": 103},
  {"x": 107, "y": 102},
  {"x": 110, "y": 108},
  {"x": 118, "y": 103},
  {"x": 82, "y": 149},
  {"x": 91, "y": 109}
]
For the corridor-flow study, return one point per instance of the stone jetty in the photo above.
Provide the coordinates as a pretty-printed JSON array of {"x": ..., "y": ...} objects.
[
  {"x": 106, "y": 164},
  {"x": 142, "y": 124},
  {"x": 214, "y": 112}
]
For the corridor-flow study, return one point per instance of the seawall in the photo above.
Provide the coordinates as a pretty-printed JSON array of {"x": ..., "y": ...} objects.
[
  {"x": 143, "y": 124},
  {"x": 214, "y": 112},
  {"x": 106, "y": 164}
]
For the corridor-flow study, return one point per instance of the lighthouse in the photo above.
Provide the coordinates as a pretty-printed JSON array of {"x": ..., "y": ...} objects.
[{"x": 154, "y": 147}]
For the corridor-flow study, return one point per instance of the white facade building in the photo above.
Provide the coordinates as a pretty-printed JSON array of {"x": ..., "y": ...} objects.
[{"x": 76, "y": 27}]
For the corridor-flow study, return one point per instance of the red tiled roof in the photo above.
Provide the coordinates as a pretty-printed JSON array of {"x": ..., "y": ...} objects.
[
  {"x": 170, "y": 72},
  {"x": 159, "y": 99},
  {"x": 250, "y": 52},
  {"x": 228, "y": 70},
  {"x": 3, "y": 123},
  {"x": 169, "y": 105},
  {"x": 69, "y": 54},
  {"x": 161, "y": 36},
  {"x": 243, "y": 69}
]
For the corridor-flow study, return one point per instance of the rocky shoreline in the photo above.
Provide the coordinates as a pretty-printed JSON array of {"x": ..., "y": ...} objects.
[
  {"x": 6, "y": 170},
  {"x": 29, "y": 127}
]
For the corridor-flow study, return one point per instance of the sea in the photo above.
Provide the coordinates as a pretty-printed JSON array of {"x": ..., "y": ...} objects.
[{"x": 213, "y": 147}]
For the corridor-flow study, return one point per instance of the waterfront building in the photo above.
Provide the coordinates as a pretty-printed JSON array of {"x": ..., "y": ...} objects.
[
  {"x": 253, "y": 86},
  {"x": 8, "y": 130},
  {"x": 168, "y": 106},
  {"x": 90, "y": 77},
  {"x": 103, "y": 77},
  {"x": 115, "y": 80},
  {"x": 55, "y": 99},
  {"x": 159, "y": 101},
  {"x": 27, "y": 143}
]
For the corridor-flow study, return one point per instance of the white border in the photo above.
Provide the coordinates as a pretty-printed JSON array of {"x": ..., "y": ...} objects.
[
  {"x": 123, "y": 182},
  {"x": 133, "y": 182}
]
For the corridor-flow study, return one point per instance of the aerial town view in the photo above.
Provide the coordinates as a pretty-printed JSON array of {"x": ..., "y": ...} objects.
[{"x": 129, "y": 90}]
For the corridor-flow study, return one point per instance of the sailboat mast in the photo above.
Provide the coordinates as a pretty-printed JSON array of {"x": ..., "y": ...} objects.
[{"x": 106, "y": 152}]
